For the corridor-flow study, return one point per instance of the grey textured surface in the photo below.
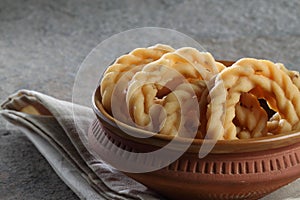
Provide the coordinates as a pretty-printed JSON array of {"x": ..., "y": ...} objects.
[{"x": 42, "y": 43}]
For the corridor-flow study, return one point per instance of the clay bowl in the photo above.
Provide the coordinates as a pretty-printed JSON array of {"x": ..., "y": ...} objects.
[{"x": 236, "y": 169}]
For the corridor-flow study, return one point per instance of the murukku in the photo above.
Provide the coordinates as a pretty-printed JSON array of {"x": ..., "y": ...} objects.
[
  {"x": 276, "y": 124},
  {"x": 186, "y": 92},
  {"x": 261, "y": 78},
  {"x": 161, "y": 82},
  {"x": 250, "y": 118},
  {"x": 294, "y": 75},
  {"x": 122, "y": 70},
  {"x": 181, "y": 110}
]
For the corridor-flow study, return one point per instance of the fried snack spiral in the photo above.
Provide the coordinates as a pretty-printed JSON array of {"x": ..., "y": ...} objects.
[
  {"x": 261, "y": 78},
  {"x": 203, "y": 62},
  {"x": 276, "y": 124},
  {"x": 180, "y": 92},
  {"x": 165, "y": 82},
  {"x": 251, "y": 119},
  {"x": 181, "y": 117},
  {"x": 294, "y": 75},
  {"x": 122, "y": 70}
]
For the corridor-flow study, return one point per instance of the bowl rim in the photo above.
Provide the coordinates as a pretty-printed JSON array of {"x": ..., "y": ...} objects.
[{"x": 220, "y": 146}]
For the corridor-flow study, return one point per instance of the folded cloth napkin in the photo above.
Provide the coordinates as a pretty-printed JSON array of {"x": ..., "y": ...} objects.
[
  {"x": 50, "y": 125},
  {"x": 59, "y": 131}
]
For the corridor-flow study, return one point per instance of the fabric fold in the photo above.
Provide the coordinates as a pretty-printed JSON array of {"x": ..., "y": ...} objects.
[{"x": 54, "y": 122}]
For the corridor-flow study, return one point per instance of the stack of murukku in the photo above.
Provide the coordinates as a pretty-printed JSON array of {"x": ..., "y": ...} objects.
[{"x": 185, "y": 92}]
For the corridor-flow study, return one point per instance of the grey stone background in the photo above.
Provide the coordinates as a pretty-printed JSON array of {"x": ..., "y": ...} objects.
[{"x": 42, "y": 44}]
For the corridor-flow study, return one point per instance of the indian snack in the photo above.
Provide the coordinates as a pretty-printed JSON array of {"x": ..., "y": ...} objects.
[{"x": 183, "y": 91}]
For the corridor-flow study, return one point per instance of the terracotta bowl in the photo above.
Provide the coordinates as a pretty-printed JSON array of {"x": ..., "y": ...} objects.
[{"x": 236, "y": 169}]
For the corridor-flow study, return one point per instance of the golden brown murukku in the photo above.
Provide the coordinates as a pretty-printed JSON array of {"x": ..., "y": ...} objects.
[
  {"x": 184, "y": 91},
  {"x": 125, "y": 67},
  {"x": 294, "y": 75},
  {"x": 261, "y": 78},
  {"x": 250, "y": 118},
  {"x": 161, "y": 82}
]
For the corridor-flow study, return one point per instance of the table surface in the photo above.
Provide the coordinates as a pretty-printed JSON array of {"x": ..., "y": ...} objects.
[{"x": 42, "y": 44}]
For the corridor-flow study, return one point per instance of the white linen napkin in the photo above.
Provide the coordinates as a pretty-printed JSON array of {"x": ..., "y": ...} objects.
[
  {"x": 49, "y": 123},
  {"x": 52, "y": 127}
]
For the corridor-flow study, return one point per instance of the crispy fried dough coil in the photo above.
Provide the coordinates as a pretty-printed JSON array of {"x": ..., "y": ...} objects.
[
  {"x": 259, "y": 77},
  {"x": 122, "y": 70},
  {"x": 184, "y": 91},
  {"x": 162, "y": 82},
  {"x": 250, "y": 117}
]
